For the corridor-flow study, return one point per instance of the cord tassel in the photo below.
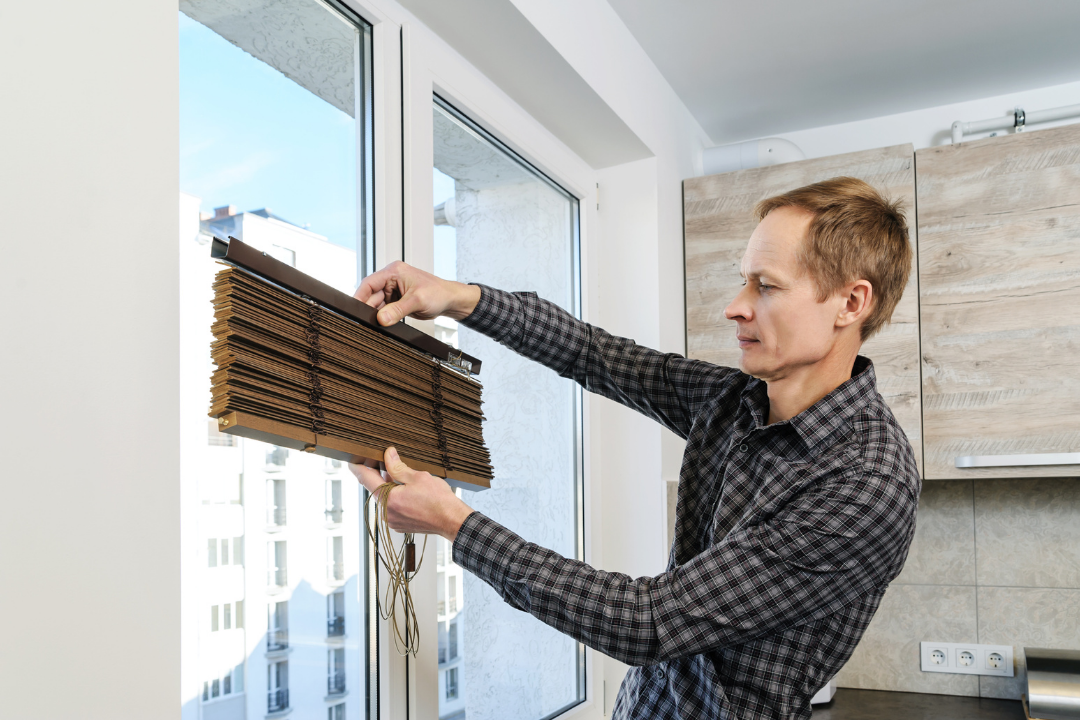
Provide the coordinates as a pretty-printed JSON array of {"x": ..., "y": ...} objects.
[{"x": 401, "y": 566}]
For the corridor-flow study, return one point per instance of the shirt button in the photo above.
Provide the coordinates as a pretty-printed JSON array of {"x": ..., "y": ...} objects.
[
  {"x": 660, "y": 674},
  {"x": 744, "y": 447}
]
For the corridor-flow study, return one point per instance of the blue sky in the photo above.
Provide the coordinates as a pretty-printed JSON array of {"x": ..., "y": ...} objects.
[{"x": 252, "y": 138}]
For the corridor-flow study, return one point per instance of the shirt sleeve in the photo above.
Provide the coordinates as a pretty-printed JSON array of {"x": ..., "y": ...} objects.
[
  {"x": 663, "y": 386},
  {"x": 829, "y": 549}
]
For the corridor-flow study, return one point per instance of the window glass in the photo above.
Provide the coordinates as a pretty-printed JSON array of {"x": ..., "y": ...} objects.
[
  {"x": 499, "y": 222},
  {"x": 275, "y": 139}
]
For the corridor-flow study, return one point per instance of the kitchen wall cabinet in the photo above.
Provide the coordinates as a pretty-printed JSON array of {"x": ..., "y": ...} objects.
[
  {"x": 718, "y": 217},
  {"x": 999, "y": 265}
]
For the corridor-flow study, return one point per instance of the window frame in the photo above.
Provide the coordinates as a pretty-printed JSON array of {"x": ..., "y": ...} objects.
[
  {"x": 432, "y": 69},
  {"x": 409, "y": 65}
]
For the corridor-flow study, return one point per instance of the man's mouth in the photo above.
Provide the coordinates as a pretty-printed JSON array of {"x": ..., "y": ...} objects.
[{"x": 745, "y": 340}]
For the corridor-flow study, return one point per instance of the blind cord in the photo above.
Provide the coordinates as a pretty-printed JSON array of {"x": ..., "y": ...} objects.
[{"x": 401, "y": 567}]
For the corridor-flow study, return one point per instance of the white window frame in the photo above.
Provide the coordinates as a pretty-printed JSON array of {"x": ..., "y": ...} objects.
[{"x": 410, "y": 65}]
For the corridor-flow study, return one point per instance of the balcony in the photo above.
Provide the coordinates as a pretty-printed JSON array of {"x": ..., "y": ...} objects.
[
  {"x": 277, "y": 700},
  {"x": 335, "y": 572},
  {"x": 277, "y": 640},
  {"x": 333, "y": 516},
  {"x": 335, "y": 684},
  {"x": 335, "y": 627},
  {"x": 275, "y": 517},
  {"x": 277, "y": 580}
]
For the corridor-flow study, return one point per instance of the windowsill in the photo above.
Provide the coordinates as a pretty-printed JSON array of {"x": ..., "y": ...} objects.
[
  {"x": 274, "y": 528},
  {"x": 270, "y": 654},
  {"x": 275, "y": 589},
  {"x": 278, "y": 714},
  {"x": 336, "y": 696},
  {"x": 336, "y": 639}
]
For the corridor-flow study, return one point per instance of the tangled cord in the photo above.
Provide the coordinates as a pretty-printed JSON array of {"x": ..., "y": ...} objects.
[{"x": 401, "y": 566}]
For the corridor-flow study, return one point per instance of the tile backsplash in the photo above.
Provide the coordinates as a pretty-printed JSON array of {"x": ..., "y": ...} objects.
[{"x": 994, "y": 562}]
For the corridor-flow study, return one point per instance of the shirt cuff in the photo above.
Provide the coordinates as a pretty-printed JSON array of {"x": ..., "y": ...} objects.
[
  {"x": 493, "y": 310},
  {"x": 486, "y": 549}
]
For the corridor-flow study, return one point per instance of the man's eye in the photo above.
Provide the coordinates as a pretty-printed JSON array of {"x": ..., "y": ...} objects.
[{"x": 763, "y": 286}]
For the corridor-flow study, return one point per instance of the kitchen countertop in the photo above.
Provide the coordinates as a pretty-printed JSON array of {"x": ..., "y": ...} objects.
[{"x": 850, "y": 704}]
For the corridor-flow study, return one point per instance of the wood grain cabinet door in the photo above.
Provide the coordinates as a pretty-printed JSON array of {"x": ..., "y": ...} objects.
[
  {"x": 718, "y": 220},
  {"x": 999, "y": 263}
]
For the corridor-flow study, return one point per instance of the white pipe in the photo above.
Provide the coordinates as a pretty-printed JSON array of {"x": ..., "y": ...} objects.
[
  {"x": 1019, "y": 120},
  {"x": 749, "y": 154},
  {"x": 1041, "y": 116}
]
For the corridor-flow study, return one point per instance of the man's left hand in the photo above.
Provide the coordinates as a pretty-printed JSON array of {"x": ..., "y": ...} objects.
[{"x": 422, "y": 503}]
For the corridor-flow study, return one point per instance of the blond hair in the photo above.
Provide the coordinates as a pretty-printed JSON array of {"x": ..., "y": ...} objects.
[{"x": 855, "y": 234}]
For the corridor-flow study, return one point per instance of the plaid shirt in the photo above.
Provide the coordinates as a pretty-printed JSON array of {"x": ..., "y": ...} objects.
[{"x": 786, "y": 536}]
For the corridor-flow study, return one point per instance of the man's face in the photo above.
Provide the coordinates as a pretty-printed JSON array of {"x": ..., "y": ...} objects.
[{"x": 781, "y": 325}]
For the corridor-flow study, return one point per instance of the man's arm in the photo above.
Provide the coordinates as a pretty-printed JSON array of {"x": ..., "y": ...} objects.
[
  {"x": 665, "y": 387},
  {"x": 831, "y": 547}
]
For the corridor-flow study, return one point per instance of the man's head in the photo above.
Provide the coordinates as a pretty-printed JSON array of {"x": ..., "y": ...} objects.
[{"x": 823, "y": 272}]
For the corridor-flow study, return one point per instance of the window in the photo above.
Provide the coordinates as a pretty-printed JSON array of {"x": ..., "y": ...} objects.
[
  {"x": 451, "y": 684},
  {"x": 277, "y": 684},
  {"x": 229, "y": 683},
  {"x": 333, "y": 501},
  {"x": 498, "y": 221},
  {"x": 335, "y": 667},
  {"x": 335, "y": 559},
  {"x": 275, "y": 458},
  {"x": 213, "y": 618},
  {"x": 275, "y": 502},
  {"x": 440, "y": 586},
  {"x": 336, "y": 712},
  {"x": 277, "y": 626},
  {"x": 335, "y": 614},
  {"x": 276, "y": 150},
  {"x": 276, "y": 571}
]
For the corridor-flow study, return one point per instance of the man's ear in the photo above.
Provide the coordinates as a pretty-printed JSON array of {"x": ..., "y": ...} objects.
[{"x": 858, "y": 301}]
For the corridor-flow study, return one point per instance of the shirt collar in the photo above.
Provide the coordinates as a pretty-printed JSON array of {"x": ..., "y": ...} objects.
[{"x": 830, "y": 415}]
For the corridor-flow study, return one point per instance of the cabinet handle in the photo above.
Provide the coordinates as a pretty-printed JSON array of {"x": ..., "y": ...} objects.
[{"x": 977, "y": 461}]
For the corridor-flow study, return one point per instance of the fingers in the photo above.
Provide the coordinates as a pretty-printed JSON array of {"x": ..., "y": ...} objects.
[
  {"x": 396, "y": 311},
  {"x": 376, "y": 286},
  {"x": 395, "y": 468},
  {"x": 369, "y": 477}
]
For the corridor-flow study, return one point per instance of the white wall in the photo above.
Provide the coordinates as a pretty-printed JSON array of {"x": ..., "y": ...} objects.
[
  {"x": 592, "y": 37},
  {"x": 89, "y": 523},
  {"x": 929, "y": 126}
]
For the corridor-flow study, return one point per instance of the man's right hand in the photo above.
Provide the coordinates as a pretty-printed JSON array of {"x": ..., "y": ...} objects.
[{"x": 423, "y": 296}]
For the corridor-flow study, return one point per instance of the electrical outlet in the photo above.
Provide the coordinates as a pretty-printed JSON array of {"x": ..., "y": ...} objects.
[{"x": 967, "y": 658}]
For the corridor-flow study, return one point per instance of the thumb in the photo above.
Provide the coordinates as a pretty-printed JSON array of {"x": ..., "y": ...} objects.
[
  {"x": 395, "y": 468},
  {"x": 395, "y": 311}
]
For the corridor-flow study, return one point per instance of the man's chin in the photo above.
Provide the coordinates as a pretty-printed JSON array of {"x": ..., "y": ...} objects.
[{"x": 752, "y": 366}]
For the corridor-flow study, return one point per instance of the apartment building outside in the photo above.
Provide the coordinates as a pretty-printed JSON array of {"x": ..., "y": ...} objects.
[{"x": 272, "y": 583}]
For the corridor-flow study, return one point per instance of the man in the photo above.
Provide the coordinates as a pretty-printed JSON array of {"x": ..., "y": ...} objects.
[{"x": 798, "y": 489}]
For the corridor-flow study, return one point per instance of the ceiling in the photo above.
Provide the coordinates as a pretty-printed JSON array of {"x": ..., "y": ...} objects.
[{"x": 754, "y": 69}]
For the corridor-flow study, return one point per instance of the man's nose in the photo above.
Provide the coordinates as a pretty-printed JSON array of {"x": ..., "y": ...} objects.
[{"x": 739, "y": 307}]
